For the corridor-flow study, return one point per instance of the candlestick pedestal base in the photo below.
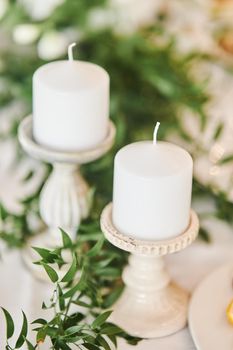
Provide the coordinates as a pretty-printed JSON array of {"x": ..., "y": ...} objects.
[
  {"x": 64, "y": 198},
  {"x": 151, "y": 305}
]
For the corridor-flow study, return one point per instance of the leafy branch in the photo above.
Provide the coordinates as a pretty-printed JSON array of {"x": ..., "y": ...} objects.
[{"x": 81, "y": 299}]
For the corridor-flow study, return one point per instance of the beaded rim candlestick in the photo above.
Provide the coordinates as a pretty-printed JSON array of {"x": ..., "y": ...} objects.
[
  {"x": 63, "y": 200},
  {"x": 151, "y": 305}
]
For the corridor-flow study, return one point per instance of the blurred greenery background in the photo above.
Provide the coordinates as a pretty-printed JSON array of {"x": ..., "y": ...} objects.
[{"x": 152, "y": 79}]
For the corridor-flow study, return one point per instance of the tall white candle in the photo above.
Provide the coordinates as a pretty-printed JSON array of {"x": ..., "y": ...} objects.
[
  {"x": 152, "y": 190},
  {"x": 70, "y": 104}
]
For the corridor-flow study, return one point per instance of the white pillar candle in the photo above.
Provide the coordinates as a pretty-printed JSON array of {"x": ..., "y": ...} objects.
[
  {"x": 70, "y": 105},
  {"x": 152, "y": 190}
]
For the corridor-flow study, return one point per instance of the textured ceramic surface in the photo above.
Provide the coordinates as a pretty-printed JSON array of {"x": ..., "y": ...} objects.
[
  {"x": 150, "y": 306},
  {"x": 64, "y": 198},
  {"x": 52, "y": 156},
  {"x": 150, "y": 248}
]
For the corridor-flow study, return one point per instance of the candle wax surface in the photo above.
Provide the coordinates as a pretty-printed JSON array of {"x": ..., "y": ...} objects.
[
  {"x": 153, "y": 160},
  {"x": 67, "y": 76}
]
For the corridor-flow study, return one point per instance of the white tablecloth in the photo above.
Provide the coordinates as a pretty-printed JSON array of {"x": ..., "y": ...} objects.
[{"x": 19, "y": 290}]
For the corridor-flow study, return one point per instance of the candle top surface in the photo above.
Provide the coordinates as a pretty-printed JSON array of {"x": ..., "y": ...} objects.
[
  {"x": 71, "y": 76},
  {"x": 144, "y": 159}
]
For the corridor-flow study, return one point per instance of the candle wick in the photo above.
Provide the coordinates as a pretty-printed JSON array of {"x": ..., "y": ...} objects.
[
  {"x": 70, "y": 51},
  {"x": 155, "y": 133}
]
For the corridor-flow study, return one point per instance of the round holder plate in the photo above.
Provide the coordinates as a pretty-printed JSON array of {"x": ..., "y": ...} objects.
[
  {"x": 52, "y": 156},
  {"x": 148, "y": 248}
]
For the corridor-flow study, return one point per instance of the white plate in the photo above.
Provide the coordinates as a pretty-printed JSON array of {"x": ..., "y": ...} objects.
[{"x": 207, "y": 312}]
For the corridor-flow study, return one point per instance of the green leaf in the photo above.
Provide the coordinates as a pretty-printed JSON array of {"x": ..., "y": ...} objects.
[
  {"x": 9, "y": 324},
  {"x": 218, "y": 131},
  {"x": 51, "y": 272},
  {"x": 29, "y": 175},
  {"x": 106, "y": 262},
  {"x": 71, "y": 272},
  {"x": 90, "y": 346},
  {"x": 96, "y": 248},
  {"x": 78, "y": 287},
  {"x": 51, "y": 331},
  {"x": 73, "y": 329},
  {"x": 29, "y": 345},
  {"x": 39, "y": 321},
  {"x": 113, "y": 339},
  {"x": 165, "y": 86},
  {"x": 62, "y": 345},
  {"x": 46, "y": 254},
  {"x": 67, "y": 242},
  {"x": 3, "y": 212},
  {"x": 61, "y": 298},
  {"x": 44, "y": 306},
  {"x": 103, "y": 342},
  {"x": 111, "y": 329},
  {"x": 112, "y": 297},
  {"x": 204, "y": 235},
  {"x": 100, "y": 319},
  {"x": 73, "y": 320},
  {"x": 130, "y": 339},
  {"x": 22, "y": 336},
  {"x": 81, "y": 303},
  {"x": 41, "y": 335},
  {"x": 226, "y": 159},
  {"x": 108, "y": 272}
]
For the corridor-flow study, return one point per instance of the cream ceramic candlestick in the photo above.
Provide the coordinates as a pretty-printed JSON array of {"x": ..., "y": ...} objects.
[
  {"x": 64, "y": 197},
  {"x": 151, "y": 305}
]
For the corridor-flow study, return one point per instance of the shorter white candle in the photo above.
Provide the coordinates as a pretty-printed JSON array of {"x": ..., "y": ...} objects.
[
  {"x": 152, "y": 189},
  {"x": 70, "y": 104}
]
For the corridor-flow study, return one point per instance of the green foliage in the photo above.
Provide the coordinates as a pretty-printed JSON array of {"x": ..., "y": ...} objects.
[
  {"x": 21, "y": 339},
  {"x": 204, "y": 235},
  {"x": 78, "y": 299},
  {"x": 9, "y": 324},
  {"x": 10, "y": 331}
]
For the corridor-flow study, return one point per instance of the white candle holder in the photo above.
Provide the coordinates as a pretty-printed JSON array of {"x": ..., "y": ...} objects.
[
  {"x": 63, "y": 200},
  {"x": 151, "y": 305}
]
